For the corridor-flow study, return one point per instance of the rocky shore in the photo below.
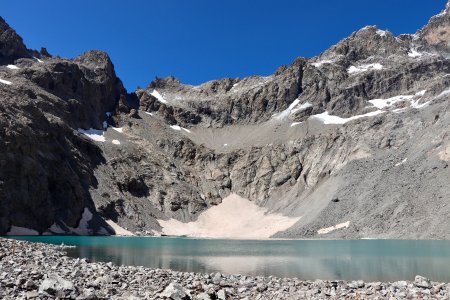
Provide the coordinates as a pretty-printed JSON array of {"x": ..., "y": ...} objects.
[{"x": 42, "y": 271}]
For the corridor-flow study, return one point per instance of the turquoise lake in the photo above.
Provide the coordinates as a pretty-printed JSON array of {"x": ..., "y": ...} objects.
[{"x": 370, "y": 260}]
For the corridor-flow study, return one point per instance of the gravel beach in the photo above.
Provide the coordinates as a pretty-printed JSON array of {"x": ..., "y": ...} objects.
[{"x": 43, "y": 271}]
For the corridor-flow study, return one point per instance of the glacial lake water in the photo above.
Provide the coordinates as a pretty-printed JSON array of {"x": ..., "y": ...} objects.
[{"x": 370, "y": 260}]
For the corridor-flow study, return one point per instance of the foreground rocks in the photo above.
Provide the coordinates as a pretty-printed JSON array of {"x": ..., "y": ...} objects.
[{"x": 40, "y": 271}]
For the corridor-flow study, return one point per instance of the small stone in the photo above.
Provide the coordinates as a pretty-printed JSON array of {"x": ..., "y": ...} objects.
[
  {"x": 30, "y": 284},
  {"x": 32, "y": 295},
  {"x": 422, "y": 282},
  {"x": 202, "y": 296},
  {"x": 222, "y": 295},
  {"x": 400, "y": 284},
  {"x": 174, "y": 291}
]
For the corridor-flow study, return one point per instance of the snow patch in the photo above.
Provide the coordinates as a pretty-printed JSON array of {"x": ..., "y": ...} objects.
[
  {"x": 158, "y": 96},
  {"x": 381, "y": 33},
  {"x": 402, "y": 162},
  {"x": 16, "y": 230},
  {"x": 83, "y": 226},
  {"x": 108, "y": 114},
  {"x": 179, "y": 128},
  {"x": 389, "y": 102},
  {"x": 115, "y": 142},
  {"x": 291, "y": 109},
  {"x": 38, "y": 59},
  {"x": 295, "y": 124},
  {"x": 383, "y": 103},
  {"x": 93, "y": 134},
  {"x": 148, "y": 113},
  {"x": 302, "y": 107},
  {"x": 5, "y": 81},
  {"x": 414, "y": 54},
  {"x": 364, "y": 68},
  {"x": 444, "y": 93},
  {"x": 328, "y": 119},
  {"x": 12, "y": 67},
  {"x": 321, "y": 63},
  {"x": 333, "y": 228},
  {"x": 118, "y": 129}
]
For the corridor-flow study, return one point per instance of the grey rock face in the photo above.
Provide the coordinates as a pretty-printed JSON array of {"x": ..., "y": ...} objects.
[{"x": 45, "y": 164}]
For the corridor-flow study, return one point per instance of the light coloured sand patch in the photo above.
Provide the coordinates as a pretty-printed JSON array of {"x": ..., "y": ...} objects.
[
  {"x": 333, "y": 228},
  {"x": 235, "y": 217},
  {"x": 119, "y": 230},
  {"x": 445, "y": 154}
]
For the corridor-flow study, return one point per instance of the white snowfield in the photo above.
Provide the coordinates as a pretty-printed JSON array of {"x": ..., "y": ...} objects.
[
  {"x": 5, "y": 81},
  {"x": 12, "y": 67},
  {"x": 333, "y": 228},
  {"x": 381, "y": 33},
  {"x": 93, "y": 134},
  {"x": 414, "y": 53},
  {"x": 158, "y": 96},
  {"x": 328, "y": 119},
  {"x": 118, "y": 129},
  {"x": 401, "y": 163},
  {"x": 292, "y": 109},
  {"x": 115, "y": 142},
  {"x": 390, "y": 102},
  {"x": 364, "y": 68},
  {"x": 320, "y": 63},
  {"x": 383, "y": 105},
  {"x": 301, "y": 107},
  {"x": 178, "y": 128},
  {"x": 38, "y": 59}
]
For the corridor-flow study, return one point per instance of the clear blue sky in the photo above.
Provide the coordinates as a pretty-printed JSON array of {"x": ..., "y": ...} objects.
[{"x": 200, "y": 40}]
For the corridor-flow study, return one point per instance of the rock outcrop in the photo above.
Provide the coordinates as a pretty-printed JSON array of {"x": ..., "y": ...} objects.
[{"x": 46, "y": 165}]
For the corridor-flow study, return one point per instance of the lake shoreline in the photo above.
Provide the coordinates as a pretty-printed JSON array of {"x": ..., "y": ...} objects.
[{"x": 31, "y": 270}]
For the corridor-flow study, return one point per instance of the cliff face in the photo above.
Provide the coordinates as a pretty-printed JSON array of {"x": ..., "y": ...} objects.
[
  {"x": 358, "y": 134},
  {"x": 46, "y": 165}
]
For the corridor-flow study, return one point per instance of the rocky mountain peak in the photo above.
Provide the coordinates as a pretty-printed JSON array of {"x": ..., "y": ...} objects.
[
  {"x": 436, "y": 34},
  {"x": 169, "y": 81},
  {"x": 11, "y": 44}
]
